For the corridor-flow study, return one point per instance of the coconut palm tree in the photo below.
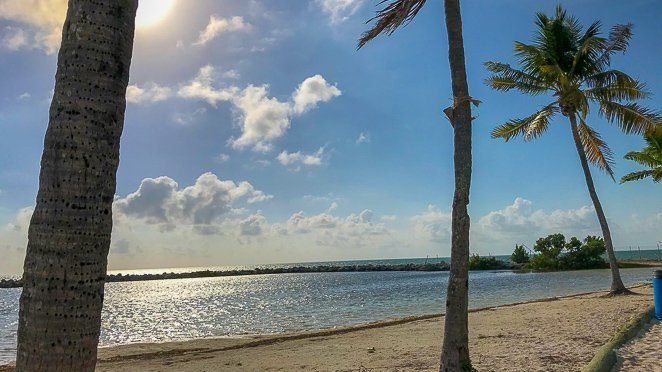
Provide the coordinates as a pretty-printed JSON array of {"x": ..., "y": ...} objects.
[
  {"x": 650, "y": 157},
  {"x": 574, "y": 67},
  {"x": 455, "y": 349},
  {"x": 69, "y": 234}
]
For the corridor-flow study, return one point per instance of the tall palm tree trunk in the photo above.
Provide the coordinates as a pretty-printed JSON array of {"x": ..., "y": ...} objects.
[
  {"x": 617, "y": 286},
  {"x": 69, "y": 234},
  {"x": 455, "y": 350}
]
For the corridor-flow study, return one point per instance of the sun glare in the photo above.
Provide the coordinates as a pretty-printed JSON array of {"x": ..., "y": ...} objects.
[{"x": 151, "y": 12}]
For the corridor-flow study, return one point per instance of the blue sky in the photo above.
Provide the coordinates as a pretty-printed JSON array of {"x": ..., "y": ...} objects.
[{"x": 331, "y": 153}]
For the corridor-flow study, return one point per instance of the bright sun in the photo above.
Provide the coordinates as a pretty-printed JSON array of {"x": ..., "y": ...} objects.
[{"x": 151, "y": 12}]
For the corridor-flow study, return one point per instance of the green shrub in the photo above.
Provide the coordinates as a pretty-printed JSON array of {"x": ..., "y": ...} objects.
[
  {"x": 554, "y": 253},
  {"x": 520, "y": 255},
  {"x": 477, "y": 262}
]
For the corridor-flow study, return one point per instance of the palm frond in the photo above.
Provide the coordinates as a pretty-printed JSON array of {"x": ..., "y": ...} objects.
[
  {"x": 394, "y": 15},
  {"x": 639, "y": 175},
  {"x": 530, "y": 127},
  {"x": 628, "y": 91},
  {"x": 630, "y": 117},
  {"x": 590, "y": 46},
  {"x": 644, "y": 158},
  {"x": 618, "y": 41},
  {"x": 508, "y": 78},
  {"x": 597, "y": 151},
  {"x": 608, "y": 77}
]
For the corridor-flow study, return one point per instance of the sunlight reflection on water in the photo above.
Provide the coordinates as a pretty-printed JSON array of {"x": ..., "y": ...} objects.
[{"x": 166, "y": 310}]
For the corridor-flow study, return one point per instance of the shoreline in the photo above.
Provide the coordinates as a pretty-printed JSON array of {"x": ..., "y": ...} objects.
[
  {"x": 412, "y": 267},
  {"x": 440, "y": 266},
  {"x": 270, "y": 338},
  {"x": 152, "y": 351},
  {"x": 559, "y": 333}
]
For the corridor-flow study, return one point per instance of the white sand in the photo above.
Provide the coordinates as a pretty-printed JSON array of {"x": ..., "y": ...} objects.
[
  {"x": 644, "y": 353},
  {"x": 558, "y": 335}
]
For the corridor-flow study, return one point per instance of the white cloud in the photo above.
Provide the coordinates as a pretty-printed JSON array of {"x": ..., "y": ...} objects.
[
  {"x": 299, "y": 158},
  {"x": 217, "y": 26},
  {"x": 253, "y": 225},
  {"x": 340, "y": 10},
  {"x": 22, "y": 220},
  {"x": 231, "y": 74},
  {"x": 222, "y": 158},
  {"x": 262, "y": 119},
  {"x": 364, "y": 137},
  {"x": 332, "y": 207},
  {"x": 186, "y": 118},
  {"x": 42, "y": 21},
  {"x": 204, "y": 205},
  {"x": 356, "y": 230},
  {"x": 25, "y": 96},
  {"x": 201, "y": 87},
  {"x": 150, "y": 93},
  {"x": 389, "y": 217},
  {"x": 433, "y": 225},
  {"x": 520, "y": 218},
  {"x": 14, "y": 38},
  {"x": 311, "y": 91}
]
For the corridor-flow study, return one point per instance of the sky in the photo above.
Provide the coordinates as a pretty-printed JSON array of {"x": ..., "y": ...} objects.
[{"x": 256, "y": 133}]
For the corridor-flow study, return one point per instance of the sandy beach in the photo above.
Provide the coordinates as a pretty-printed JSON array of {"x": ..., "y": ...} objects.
[
  {"x": 549, "y": 335},
  {"x": 644, "y": 353}
]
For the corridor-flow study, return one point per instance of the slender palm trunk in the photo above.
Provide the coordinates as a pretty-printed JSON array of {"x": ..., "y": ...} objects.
[
  {"x": 616, "y": 282},
  {"x": 455, "y": 350},
  {"x": 69, "y": 234}
]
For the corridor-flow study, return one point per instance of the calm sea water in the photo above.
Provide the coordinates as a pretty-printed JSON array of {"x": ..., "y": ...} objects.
[{"x": 167, "y": 310}]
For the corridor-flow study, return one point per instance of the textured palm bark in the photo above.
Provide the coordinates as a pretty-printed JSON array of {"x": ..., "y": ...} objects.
[
  {"x": 617, "y": 286},
  {"x": 455, "y": 350},
  {"x": 69, "y": 234}
]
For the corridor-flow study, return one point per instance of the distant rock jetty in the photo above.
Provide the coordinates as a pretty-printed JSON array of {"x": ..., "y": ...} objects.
[{"x": 437, "y": 266}]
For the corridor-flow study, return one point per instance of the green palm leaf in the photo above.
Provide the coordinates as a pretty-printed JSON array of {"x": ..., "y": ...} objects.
[
  {"x": 530, "y": 127},
  {"x": 597, "y": 151},
  {"x": 650, "y": 157},
  {"x": 630, "y": 117},
  {"x": 394, "y": 15},
  {"x": 508, "y": 78},
  {"x": 636, "y": 176}
]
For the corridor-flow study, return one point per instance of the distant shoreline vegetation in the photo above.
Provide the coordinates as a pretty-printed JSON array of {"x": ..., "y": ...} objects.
[
  {"x": 476, "y": 263},
  {"x": 436, "y": 266}
]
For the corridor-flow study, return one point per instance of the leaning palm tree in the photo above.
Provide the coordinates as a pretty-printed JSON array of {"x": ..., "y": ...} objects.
[
  {"x": 455, "y": 349},
  {"x": 69, "y": 234},
  {"x": 574, "y": 67},
  {"x": 650, "y": 157}
]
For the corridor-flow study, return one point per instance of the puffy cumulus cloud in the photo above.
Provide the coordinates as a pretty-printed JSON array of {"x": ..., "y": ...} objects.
[
  {"x": 262, "y": 119},
  {"x": 217, "y": 26},
  {"x": 432, "y": 225},
  {"x": 150, "y": 93},
  {"x": 513, "y": 218},
  {"x": 201, "y": 87},
  {"x": 40, "y": 24},
  {"x": 340, "y": 10},
  {"x": 296, "y": 159},
  {"x": 311, "y": 91},
  {"x": 204, "y": 205},
  {"x": 253, "y": 225},
  {"x": 355, "y": 230},
  {"x": 521, "y": 218}
]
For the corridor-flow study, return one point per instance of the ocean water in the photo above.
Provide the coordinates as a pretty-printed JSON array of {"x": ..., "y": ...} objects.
[{"x": 167, "y": 310}]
